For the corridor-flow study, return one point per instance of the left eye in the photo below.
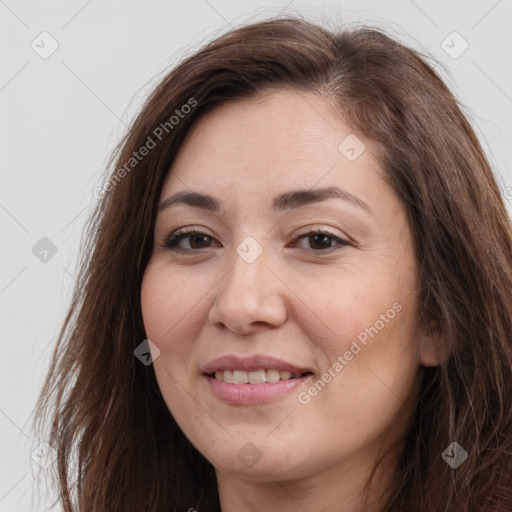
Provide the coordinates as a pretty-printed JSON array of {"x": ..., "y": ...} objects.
[{"x": 320, "y": 240}]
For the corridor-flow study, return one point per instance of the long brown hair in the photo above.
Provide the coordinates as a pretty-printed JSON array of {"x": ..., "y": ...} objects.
[{"x": 118, "y": 446}]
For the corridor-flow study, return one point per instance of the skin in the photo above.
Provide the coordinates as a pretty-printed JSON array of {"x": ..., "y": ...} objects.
[{"x": 293, "y": 302}]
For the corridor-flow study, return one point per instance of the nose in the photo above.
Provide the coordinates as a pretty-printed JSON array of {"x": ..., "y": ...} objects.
[{"x": 249, "y": 298}]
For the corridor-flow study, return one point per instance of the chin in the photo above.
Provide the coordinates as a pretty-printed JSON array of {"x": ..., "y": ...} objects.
[{"x": 260, "y": 460}]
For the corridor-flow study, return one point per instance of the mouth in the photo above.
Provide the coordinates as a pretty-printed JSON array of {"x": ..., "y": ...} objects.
[
  {"x": 252, "y": 380},
  {"x": 256, "y": 377}
]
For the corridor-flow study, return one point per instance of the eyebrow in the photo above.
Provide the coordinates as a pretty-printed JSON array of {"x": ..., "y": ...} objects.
[{"x": 286, "y": 201}]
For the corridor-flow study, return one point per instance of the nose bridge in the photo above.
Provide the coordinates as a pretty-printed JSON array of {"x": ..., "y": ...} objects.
[
  {"x": 248, "y": 269},
  {"x": 249, "y": 292}
]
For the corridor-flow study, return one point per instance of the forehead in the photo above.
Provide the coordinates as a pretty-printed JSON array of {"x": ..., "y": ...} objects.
[{"x": 280, "y": 139}]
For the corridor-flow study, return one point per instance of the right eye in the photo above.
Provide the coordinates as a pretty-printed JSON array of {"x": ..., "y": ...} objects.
[{"x": 195, "y": 240}]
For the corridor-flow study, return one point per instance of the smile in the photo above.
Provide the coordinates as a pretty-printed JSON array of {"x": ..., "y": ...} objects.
[
  {"x": 255, "y": 377},
  {"x": 250, "y": 380}
]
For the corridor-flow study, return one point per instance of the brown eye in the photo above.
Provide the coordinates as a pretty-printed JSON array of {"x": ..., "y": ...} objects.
[
  {"x": 322, "y": 241},
  {"x": 196, "y": 240}
]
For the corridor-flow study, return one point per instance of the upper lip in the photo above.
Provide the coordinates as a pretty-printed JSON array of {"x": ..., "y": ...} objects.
[{"x": 256, "y": 362}]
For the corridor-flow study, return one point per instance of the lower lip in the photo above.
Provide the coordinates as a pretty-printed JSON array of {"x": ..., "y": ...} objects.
[{"x": 246, "y": 394}]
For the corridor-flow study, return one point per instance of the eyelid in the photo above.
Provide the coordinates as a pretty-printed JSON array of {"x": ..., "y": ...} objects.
[{"x": 325, "y": 230}]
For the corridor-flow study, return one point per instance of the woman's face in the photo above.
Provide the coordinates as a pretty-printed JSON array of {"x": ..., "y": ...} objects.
[{"x": 302, "y": 263}]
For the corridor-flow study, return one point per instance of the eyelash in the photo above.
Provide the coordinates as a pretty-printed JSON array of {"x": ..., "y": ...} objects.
[{"x": 171, "y": 241}]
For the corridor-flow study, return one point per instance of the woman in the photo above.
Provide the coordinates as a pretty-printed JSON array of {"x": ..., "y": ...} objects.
[{"x": 296, "y": 293}]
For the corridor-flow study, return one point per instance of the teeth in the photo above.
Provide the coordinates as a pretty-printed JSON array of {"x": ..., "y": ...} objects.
[
  {"x": 254, "y": 377},
  {"x": 240, "y": 377},
  {"x": 273, "y": 375},
  {"x": 257, "y": 377}
]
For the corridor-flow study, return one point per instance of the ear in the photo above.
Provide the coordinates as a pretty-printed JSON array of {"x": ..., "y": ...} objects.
[{"x": 431, "y": 349}]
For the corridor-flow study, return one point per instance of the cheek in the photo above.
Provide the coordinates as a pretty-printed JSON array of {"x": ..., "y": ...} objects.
[
  {"x": 173, "y": 310},
  {"x": 365, "y": 338},
  {"x": 173, "y": 314},
  {"x": 369, "y": 366},
  {"x": 346, "y": 304},
  {"x": 168, "y": 300}
]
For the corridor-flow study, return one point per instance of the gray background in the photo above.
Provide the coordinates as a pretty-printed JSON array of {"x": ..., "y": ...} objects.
[{"x": 62, "y": 115}]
